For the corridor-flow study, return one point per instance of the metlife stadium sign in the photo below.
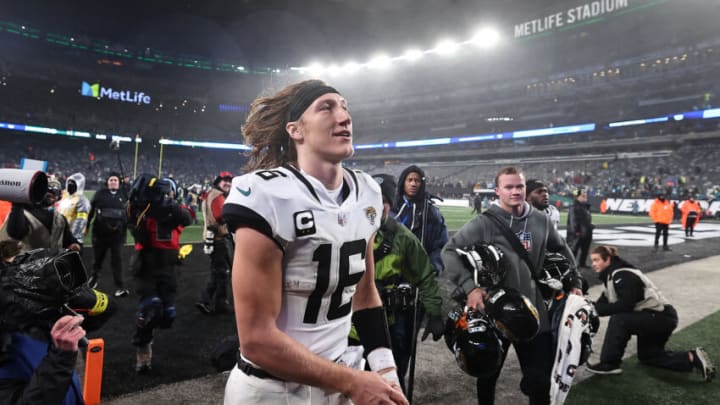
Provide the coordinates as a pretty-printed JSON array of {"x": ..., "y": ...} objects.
[
  {"x": 581, "y": 13},
  {"x": 129, "y": 96}
]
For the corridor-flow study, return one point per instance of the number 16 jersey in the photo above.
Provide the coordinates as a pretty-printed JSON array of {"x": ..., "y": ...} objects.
[{"x": 323, "y": 241}]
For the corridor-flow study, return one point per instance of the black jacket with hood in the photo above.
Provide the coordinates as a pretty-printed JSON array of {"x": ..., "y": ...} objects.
[{"x": 422, "y": 217}]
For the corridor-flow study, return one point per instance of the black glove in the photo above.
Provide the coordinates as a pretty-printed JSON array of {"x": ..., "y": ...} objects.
[{"x": 435, "y": 325}]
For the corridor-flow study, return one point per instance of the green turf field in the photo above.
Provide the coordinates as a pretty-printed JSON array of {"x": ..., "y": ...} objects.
[
  {"x": 640, "y": 384},
  {"x": 455, "y": 217}
]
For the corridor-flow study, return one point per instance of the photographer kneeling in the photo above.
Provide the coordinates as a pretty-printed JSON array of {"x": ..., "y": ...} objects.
[{"x": 38, "y": 339}]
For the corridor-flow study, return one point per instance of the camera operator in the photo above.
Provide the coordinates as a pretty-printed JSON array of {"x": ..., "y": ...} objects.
[
  {"x": 157, "y": 221},
  {"x": 108, "y": 209},
  {"x": 39, "y": 340},
  {"x": 40, "y": 225},
  {"x": 75, "y": 206}
]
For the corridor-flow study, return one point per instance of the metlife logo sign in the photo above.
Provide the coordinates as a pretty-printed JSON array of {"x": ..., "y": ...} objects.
[{"x": 129, "y": 96}]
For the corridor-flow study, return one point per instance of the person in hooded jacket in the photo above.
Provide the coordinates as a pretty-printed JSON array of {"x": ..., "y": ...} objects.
[
  {"x": 415, "y": 209},
  {"x": 75, "y": 207},
  {"x": 637, "y": 307}
]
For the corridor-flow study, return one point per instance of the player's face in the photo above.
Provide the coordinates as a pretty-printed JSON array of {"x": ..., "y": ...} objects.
[
  {"x": 510, "y": 190},
  {"x": 539, "y": 198},
  {"x": 598, "y": 264},
  {"x": 412, "y": 184},
  {"x": 325, "y": 130}
]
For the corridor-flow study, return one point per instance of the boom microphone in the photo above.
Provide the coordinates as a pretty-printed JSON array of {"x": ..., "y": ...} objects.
[{"x": 23, "y": 186}]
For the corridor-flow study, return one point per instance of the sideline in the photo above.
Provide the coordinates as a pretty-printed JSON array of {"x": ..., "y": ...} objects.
[{"x": 690, "y": 287}]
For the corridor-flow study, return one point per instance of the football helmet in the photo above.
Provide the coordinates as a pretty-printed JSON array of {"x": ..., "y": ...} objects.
[
  {"x": 474, "y": 341},
  {"x": 486, "y": 262},
  {"x": 556, "y": 273},
  {"x": 591, "y": 321},
  {"x": 515, "y": 317}
]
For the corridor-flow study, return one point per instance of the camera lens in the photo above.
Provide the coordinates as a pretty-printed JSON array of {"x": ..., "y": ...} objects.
[{"x": 65, "y": 273}]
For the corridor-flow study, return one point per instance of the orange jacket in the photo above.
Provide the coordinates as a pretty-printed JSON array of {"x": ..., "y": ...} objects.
[
  {"x": 690, "y": 206},
  {"x": 661, "y": 211},
  {"x": 5, "y": 207}
]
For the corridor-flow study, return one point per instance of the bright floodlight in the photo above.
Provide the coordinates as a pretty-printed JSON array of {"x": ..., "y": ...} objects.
[
  {"x": 379, "y": 62},
  {"x": 486, "y": 38},
  {"x": 412, "y": 55},
  {"x": 315, "y": 69},
  {"x": 351, "y": 67},
  {"x": 333, "y": 70},
  {"x": 446, "y": 47}
]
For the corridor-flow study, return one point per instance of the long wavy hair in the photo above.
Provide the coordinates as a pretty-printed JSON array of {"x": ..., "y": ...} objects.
[{"x": 264, "y": 129}]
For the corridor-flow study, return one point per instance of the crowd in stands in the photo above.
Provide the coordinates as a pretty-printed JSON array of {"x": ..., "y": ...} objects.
[
  {"x": 690, "y": 169},
  {"x": 95, "y": 159}
]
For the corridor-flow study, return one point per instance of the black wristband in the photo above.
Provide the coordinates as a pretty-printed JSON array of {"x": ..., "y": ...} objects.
[{"x": 372, "y": 328}]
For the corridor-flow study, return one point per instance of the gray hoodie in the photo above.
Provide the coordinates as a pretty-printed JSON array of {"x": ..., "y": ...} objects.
[{"x": 536, "y": 233}]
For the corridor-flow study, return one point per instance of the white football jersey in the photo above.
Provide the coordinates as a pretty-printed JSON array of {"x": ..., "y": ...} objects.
[
  {"x": 554, "y": 215},
  {"x": 324, "y": 246}
]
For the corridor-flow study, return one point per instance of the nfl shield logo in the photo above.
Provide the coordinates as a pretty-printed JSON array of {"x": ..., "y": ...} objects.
[
  {"x": 526, "y": 240},
  {"x": 342, "y": 218}
]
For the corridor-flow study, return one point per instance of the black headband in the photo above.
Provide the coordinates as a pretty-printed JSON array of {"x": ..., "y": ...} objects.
[{"x": 305, "y": 97}]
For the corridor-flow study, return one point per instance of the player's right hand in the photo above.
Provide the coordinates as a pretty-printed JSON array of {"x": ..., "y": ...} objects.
[
  {"x": 476, "y": 299},
  {"x": 371, "y": 388}
]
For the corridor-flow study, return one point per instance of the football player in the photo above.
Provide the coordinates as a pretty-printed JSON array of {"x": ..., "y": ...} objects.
[{"x": 303, "y": 264}]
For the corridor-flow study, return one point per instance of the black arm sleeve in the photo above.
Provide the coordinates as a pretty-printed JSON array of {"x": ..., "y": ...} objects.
[
  {"x": 49, "y": 383},
  {"x": 372, "y": 328}
]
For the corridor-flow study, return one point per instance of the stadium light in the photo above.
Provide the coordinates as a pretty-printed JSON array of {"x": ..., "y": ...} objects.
[
  {"x": 333, "y": 70},
  {"x": 315, "y": 69},
  {"x": 486, "y": 38},
  {"x": 351, "y": 67},
  {"x": 412, "y": 55},
  {"x": 446, "y": 47},
  {"x": 380, "y": 61}
]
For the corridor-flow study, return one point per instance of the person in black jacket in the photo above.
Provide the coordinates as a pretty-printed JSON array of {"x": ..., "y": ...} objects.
[
  {"x": 415, "y": 209},
  {"x": 580, "y": 227},
  {"x": 637, "y": 307},
  {"x": 108, "y": 209}
]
